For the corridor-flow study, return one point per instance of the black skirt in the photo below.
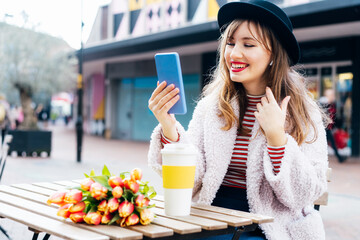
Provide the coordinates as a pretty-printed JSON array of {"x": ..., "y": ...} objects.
[{"x": 235, "y": 198}]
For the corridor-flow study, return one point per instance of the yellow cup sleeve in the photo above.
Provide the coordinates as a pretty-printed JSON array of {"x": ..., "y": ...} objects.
[{"x": 178, "y": 177}]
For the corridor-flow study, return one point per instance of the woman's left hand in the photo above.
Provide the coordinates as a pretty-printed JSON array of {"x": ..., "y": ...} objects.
[{"x": 272, "y": 117}]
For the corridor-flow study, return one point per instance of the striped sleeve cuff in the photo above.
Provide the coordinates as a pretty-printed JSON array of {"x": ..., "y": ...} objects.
[
  {"x": 165, "y": 140},
  {"x": 276, "y": 154}
]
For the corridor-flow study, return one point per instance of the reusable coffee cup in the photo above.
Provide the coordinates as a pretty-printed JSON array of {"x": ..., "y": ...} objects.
[{"x": 178, "y": 173}]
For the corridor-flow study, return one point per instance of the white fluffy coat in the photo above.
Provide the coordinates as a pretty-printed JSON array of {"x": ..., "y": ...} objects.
[{"x": 287, "y": 196}]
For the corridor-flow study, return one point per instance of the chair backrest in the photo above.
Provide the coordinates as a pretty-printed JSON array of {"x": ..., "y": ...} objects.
[
  {"x": 4, "y": 153},
  {"x": 5, "y": 146},
  {"x": 323, "y": 200}
]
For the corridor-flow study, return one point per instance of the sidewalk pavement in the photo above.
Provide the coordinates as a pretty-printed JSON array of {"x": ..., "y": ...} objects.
[{"x": 341, "y": 216}]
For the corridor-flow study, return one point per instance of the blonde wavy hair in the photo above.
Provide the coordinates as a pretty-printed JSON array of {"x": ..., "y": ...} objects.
[{"x": 281, "y": 78}]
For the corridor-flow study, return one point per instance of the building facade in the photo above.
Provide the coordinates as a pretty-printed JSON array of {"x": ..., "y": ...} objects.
[{"x": 119, "y": 68}]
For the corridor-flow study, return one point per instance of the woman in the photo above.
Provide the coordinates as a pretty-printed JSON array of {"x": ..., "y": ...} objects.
[{"x": 261, "y": 138}]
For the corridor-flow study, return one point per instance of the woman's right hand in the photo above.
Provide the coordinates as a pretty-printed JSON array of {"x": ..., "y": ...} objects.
[{"x": 160, "y": 102}]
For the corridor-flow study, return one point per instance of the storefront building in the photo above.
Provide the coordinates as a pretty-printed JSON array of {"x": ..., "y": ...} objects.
[{"x": 120, "y": 74}]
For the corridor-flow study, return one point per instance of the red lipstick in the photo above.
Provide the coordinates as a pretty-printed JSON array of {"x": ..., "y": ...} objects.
[{"x": 238, "y": 69}]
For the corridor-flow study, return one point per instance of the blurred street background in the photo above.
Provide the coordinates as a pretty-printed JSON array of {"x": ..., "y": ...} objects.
[
  {"x": 85, "y": 69},
  {"x": 341, "y": 216}
]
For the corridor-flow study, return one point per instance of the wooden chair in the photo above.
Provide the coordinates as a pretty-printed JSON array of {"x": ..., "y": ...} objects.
[
  {"x": 323, "y": 200},
  {"x": 4, "y": 149}
]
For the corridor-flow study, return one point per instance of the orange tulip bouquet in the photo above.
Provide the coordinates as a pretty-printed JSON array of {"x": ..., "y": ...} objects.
[{"x": 107, "y": 199}]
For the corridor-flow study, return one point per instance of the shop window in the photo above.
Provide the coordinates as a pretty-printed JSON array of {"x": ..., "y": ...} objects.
[
  {"x": 312, "y": 83},
  {"x": 326, "y": 79},
  {"x": 342, "y": 125}
]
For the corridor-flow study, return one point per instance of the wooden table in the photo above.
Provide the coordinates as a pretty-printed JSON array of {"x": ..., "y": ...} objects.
[{"x": 26, "y": 204}]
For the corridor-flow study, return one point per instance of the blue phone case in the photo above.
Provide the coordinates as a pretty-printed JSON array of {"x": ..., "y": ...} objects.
[{"x": 168, "y": 69}]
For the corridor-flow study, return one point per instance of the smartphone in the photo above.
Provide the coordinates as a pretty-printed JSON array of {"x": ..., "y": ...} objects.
[{"x": 168, "y": 69}]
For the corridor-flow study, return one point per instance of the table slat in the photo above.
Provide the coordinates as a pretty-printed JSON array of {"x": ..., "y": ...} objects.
[
  {"x": 323, "y": 199},
  {"x": 205, "y": 223},
  {"x": 230, "y": 220},
  {"x": 35, "y": 197},
  {"x": 44, "y": 224},
  {"x": 51, "y": 186},
  {"x": 256, "y": 218},
  {"x": 159, "y": 198},
  {"x": 78, "y": 181},
  {"x": 35, "y": 189},
  {"x": 153, "y": 231},
  {"x": 177, "y": 226},
  {"x": 67, "y": 183}
]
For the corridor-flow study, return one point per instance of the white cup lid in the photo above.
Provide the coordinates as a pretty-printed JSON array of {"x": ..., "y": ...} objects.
[{"x": 179, "y": 148}]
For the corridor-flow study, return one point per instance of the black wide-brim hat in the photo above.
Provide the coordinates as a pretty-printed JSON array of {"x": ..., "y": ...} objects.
[{"x": 268, "y": 14}]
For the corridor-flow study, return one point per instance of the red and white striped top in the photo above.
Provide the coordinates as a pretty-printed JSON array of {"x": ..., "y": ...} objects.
[{"x": 236, "y": 174}]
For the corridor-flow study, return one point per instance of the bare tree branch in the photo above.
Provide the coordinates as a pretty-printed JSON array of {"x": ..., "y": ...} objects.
[{"x": 32, "y": 62}]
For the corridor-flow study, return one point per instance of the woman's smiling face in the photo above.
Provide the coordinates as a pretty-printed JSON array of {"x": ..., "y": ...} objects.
[{"x": 246, "y": 58}]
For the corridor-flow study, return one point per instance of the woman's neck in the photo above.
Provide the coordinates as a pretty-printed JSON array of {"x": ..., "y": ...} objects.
[
  {"x": 255, "y": 92},
  {"x": 254, "y": 89}
]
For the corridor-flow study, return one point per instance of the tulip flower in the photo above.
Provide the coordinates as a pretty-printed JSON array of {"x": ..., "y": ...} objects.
[
  {"x": 125, "y": 208},
  {"x": 136, "y": 174},
  {"x": 77, "y": 217},
  {"x": 102, "y": 206},
  {"x": 141, "y": 201},
  {"x": 93, "y": 218},
  {"x": 133, "y": 219},
  {"x": 113, "y": 205},
  {"x": 57, "y": 198},
  {"x": 117, "y": 192},
  {"x": 64, "y": 211},
  {"x": 73, "y": 196},
  {"x": 106, "y": 218},
  {"x": 122, "y": 222},
  {"x": 78, "y": 207},
  {"x": 127, "y": 182},
  {"x": 115, "y": 181},
  {"x": 132, "y": 185},
  {"x": 146, "y": 216},
  {"x": 98, "y": 191},
  {"x": 86, "y": 184}
]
